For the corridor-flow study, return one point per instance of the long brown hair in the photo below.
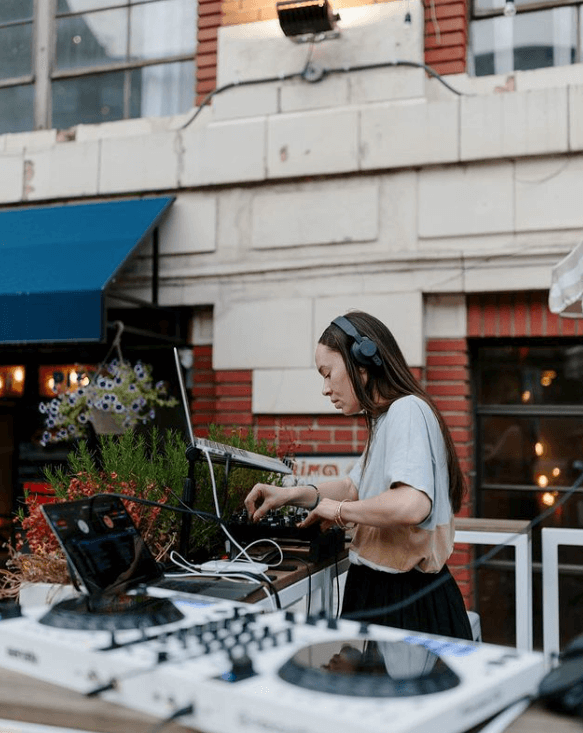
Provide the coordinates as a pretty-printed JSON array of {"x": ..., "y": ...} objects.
[{"x": 386, "y": 383}]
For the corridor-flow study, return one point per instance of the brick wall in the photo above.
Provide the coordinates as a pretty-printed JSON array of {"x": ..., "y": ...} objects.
[
  {"x": 219, "y": 397},
  {"x": 209, "y": 21},
  {"x": 447, "y": 380},
  {"x": 517, "y": 314},
  {"x": 445, "y": 33}
]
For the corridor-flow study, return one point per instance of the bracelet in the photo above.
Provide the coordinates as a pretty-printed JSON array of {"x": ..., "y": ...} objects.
[
  {"x": 338, "y": 517},
  {"x": 317, "y": 490}
]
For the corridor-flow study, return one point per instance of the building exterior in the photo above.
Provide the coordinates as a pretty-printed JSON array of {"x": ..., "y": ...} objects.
[{"x": 323, "y": 177}]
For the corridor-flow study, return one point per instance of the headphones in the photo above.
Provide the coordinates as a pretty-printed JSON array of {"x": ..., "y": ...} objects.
[{"x": 364, "y": 350}]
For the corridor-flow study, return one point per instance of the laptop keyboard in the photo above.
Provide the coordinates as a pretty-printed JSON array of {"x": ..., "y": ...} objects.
[{"x": 226, "y": 589}]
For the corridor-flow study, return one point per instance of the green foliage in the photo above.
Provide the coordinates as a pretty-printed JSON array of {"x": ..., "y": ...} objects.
[{"x": 156, "y": 467}]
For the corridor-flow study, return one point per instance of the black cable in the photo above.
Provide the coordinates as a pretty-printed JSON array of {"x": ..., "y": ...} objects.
[
  {"x": 337, "y": 586},
  {"x": 307, "y": 75},
  {"x": 289, "y": 556},
  {"x": 186, "y": 710}
]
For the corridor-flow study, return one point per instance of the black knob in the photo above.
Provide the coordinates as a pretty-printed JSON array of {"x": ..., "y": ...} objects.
[{"x": 241, "y": 665}]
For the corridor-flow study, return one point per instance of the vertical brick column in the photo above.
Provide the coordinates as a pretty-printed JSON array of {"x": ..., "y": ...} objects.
[
  {"x": 219, "y": 397},
  {"x": 203, "y": 403},
  {"x": 448, "y": 383},
  {"x": 233, "y": 405},
  {"x": 209, "y": 21},
  {"x": 446, "y": 35}
]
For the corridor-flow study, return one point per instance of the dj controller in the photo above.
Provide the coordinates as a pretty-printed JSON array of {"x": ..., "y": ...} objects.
[{"x": 220, "y": 666}]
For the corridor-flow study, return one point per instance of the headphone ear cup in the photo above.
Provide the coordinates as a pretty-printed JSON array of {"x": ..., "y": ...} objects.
[
  {"x": 356, "y": 355},
  {"x": 365, "y": 352}
]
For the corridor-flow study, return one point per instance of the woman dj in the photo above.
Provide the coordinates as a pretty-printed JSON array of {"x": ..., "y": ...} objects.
[{"x": 400, "y": 497}]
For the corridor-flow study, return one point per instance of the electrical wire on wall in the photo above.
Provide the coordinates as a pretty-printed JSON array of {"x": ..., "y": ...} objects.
[{"x": 313, "y": 74}]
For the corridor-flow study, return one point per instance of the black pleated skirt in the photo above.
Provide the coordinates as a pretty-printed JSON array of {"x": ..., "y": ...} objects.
[{"x": 440, "y": 610}]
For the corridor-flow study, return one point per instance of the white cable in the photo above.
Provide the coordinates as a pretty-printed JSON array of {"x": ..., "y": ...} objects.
[
  {"x": 263, "y": 542},
  {"x": 242, "y": 551},
  {"x": 213, "y": 482},
  {"x": 192, "y": 571}
]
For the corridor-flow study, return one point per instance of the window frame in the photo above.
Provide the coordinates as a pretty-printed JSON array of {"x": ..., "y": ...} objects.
[
  {"x": 522, "y": 9},
  {"x": 44, "y": 41}
]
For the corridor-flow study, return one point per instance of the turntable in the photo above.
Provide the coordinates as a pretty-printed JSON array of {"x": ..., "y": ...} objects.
[{"x": 368, "y": 668}]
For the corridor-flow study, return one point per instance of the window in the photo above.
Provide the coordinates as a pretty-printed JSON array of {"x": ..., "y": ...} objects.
[
  {"x": 65, "y": 62},
  {"x": 533, "y": 38},
  {"x": 529, "y": 443}
]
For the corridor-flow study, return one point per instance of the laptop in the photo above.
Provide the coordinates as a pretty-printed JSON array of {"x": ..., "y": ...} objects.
[
  {"x": 102, "y": 544},
  {"x": 110, "y": 558}
]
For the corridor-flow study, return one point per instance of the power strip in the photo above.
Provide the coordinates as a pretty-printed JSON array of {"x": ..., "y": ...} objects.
[{"x": 233, "y": 566}]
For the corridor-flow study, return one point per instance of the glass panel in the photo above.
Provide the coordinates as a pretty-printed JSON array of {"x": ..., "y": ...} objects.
[
  {"x": 530, "y": 375},
  {"x": 15, "y": 51},
  {"x": 17, "y": 109},
  {"x": 496, "y": 605},
  {"x": 165, "y": 89},
  {"x": 78, "y": 6},
  {"x": 530, "y": 451},
  {"x": 496, "y": 504},
  {"x": 93, "y": 39},
  {"x": 88, "y": 99},
  {"x": 528, "y": 41},
  {"x": 160, "y": 29},
  {"x": 15, "y": 10}
]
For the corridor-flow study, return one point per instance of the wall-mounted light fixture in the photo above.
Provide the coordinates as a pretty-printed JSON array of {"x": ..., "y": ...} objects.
[
  {"x": 307, "y": 20},
  {"x": 56, "y": 378},
  {"x": 12, "y": 380}
]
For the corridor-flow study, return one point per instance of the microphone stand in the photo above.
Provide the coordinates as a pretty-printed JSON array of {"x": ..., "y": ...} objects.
[{"x": 188, "y": 497}]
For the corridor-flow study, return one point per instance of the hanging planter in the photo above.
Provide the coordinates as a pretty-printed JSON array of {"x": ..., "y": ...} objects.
[
  {"x": 105, "y": 423},
  {"x": 118, "y": 396}
]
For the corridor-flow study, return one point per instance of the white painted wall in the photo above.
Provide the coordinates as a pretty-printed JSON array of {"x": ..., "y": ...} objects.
[{"x": 296, "y": 201}]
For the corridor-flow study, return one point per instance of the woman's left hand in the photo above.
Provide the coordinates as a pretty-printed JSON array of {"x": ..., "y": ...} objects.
[{"x": 324, "y": 513}]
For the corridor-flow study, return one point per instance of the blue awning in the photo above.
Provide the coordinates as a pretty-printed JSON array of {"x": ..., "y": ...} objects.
[{"x": 57, "y": 261}]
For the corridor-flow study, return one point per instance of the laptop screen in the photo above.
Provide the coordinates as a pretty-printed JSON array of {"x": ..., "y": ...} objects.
[{"x": 102, "y": 544}]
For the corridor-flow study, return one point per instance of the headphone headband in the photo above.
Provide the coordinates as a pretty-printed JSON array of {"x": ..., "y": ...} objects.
[{"x": 364, "y": 350}]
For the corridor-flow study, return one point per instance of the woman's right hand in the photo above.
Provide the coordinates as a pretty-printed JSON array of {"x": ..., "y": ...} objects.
[{"x": 263, "y": 498}]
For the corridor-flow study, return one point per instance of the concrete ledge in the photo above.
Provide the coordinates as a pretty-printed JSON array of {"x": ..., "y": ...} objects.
[
  {"x": 514, "y": 124},
  {"x": 143, "y": 163},
  {"x": 336, "y": 213},
  {"x": 66, "y": 169},
  {"x": 11, "y": 177},
  {"x": 405, "y": 133},
  {"x": 224, "y": 152}
]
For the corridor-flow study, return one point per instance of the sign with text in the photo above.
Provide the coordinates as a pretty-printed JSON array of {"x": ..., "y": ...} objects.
[{"x": 313, "y": 468}]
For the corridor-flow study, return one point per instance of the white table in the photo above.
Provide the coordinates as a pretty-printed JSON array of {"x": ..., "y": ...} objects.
[{"x": 514, "y": 534}]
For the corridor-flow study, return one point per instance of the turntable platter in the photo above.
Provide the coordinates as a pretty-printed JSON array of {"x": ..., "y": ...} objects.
[
  {"x": 369, "y": 668},
  {"x": 119, "y": 612}
]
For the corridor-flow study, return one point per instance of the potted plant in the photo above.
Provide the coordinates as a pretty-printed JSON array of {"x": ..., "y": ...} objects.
[
  {"x": 115, "y": 397},
  {"x": 151, "y": 467}
]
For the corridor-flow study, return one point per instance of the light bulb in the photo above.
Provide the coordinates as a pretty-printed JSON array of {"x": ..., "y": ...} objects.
[{"x": 509, "y": 9}]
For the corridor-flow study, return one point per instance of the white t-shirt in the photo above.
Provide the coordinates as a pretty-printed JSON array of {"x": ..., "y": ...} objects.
[{"x": 407, "y": 447}]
